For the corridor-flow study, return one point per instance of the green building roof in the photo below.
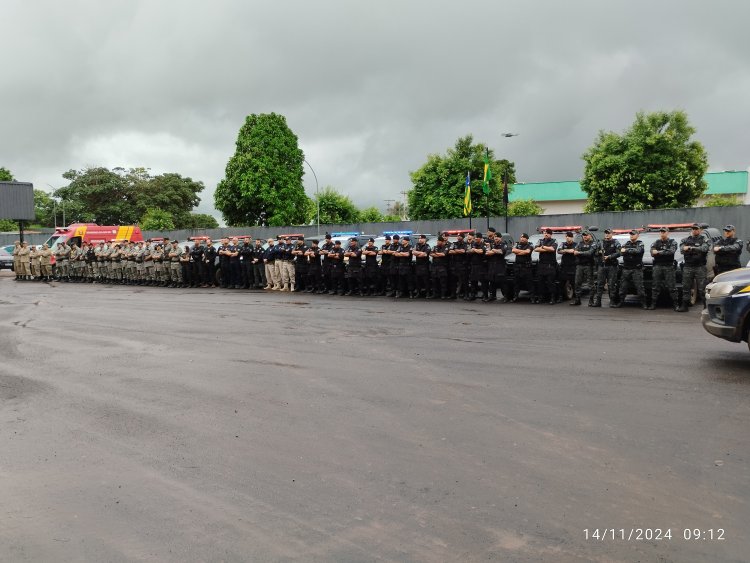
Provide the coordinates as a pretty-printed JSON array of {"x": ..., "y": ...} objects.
[{"x": 731, "y": 182}]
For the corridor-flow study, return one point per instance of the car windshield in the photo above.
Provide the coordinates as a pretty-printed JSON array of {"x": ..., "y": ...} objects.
[{"x": 52, "y": 242}]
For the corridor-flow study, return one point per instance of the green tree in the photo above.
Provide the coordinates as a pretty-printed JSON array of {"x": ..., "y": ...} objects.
[
  {"x": 169, "y": 192},
  {"x": 157, "y": 220},
  {"x": 8, "y": 226},
  {"x": 202, "y": 221},
  {"x": 5, "y": 175},
  {"x": 652, "y": 165},
  {"x": 371, "y": 215},
  {"x": 439, "y": 185},
  {"x": 722, "y": 201},
  {"x": 44, "y": 209},
  {"x": 99, "y": 195},
  {"x": 263, "y": 179},
  {"x": 524, "y": 208},
  {"x": 334, "y": 207},
  {"x": 123, "y": 196}
]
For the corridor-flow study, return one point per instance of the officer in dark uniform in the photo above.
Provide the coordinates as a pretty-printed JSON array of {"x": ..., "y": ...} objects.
[
  {"x": 728, "y": 251},
  {"x": 196, "y": 255},
  {"x": 403, "y": 262},
  {"x": 235, "y": 269},
  {"x": 314, "y": 268},
  {"x": 477, "y": 269},
  {"x": 209, "y": 264},
  {"x": 385, "y": 286},
  {"x": 325, "y": 249},
  {"x": 694, "y": 251},
  {"x": 301, "y": 264},
  {"x": 663, "y": 276},
  {"x": 393, "y": 274},
  {"x": 632, "y": 270},
  {"x": 546, "y": 268},
  {"x": 371, "y": 277},
  {"x": 567, "y": 275},
  {"x": 496, "y": 278},
  {"x": 354, "y": 269},
  {"x": 336, "y": 258},
  {"x": 523, "y": 274},
  {"x": 439, "y": 270},
  {"x": 421, "y": 255},
  {"x": 585, "y": 254},
  {"x": 247, "y": 253},
  {"x": 458, "y": 255},
  {"x": 223, "y": 253},
  {"x": 259, "y": 268},
  {"x": 609, "y": 252}
]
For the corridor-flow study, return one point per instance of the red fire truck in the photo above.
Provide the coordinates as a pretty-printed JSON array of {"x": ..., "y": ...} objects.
[{"x": 92, "y": 233}]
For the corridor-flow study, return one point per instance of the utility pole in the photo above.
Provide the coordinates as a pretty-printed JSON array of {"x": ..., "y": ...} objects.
[{"x": 388, "y": 203}]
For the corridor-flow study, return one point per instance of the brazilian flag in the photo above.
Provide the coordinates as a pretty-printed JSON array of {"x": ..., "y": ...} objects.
[{"x": 487, "y": 174}]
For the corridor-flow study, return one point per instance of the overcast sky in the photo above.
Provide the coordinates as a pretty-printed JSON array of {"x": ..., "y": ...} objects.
[{"x": 370, "y": 88}]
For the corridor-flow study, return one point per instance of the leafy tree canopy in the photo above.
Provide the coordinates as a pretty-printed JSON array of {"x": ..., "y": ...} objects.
[
  {"x": 263, "y": 179},
  {"x": 202, "y": 221},
  {"x": 8, "y": 226},
  {"x": 5, "y": 175},
  {"x": 157, "y": 220},
  {"x": 524, "y": 208},
  {"x": 439, "y": 185},
  {"x": 122, "y": 196},
  {"x": 334, "y": 207},
  {"x": 722, "y": 201},
  {"x": 371, "y": 215},
  {"x": 652, "y": 165}
]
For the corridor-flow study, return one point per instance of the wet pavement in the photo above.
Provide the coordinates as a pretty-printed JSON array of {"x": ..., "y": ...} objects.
[{"x": 154, "y": 424}]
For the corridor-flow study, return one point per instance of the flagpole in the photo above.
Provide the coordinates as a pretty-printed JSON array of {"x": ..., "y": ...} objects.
[{"x": 505, "y": 198}]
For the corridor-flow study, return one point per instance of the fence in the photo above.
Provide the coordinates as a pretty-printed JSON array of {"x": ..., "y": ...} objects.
[{"x": 714, "y": 216}]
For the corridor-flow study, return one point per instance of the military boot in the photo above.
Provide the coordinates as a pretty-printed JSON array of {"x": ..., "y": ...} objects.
[{"x": 576, "y": 301}]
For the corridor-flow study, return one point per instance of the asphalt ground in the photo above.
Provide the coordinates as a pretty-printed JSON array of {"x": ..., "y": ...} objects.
[{"x": 149, "y": 424}]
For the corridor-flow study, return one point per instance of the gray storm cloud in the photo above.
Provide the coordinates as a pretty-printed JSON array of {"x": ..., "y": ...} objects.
[{"x": 370, "y": 89}]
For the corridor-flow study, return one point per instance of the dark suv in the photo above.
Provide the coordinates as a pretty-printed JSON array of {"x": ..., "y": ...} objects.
[{"x": 727, "y": 312}]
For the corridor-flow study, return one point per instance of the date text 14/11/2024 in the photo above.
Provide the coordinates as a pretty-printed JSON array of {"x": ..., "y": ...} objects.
[{"x": 652, "y": 534}]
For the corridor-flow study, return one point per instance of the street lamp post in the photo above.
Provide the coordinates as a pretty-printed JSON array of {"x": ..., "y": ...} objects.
[{"x": 317, "y": 194}]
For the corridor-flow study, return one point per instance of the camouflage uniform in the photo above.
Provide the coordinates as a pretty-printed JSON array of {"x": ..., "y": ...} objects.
[
  {"x": 586, "y": 252},
  {"x": 24, "y": 257},
  {"x": 17, "y": 260},
  {"x": 62, "y": 258},
  {"x": 694, "y": 250},
  {"x": 45, "y": 262},
  {"x": 663, "y": 271},
  {"x": 35, "y": 264},
  {"x": 175, "y": 274},
  {"x": 609, "y": 252},
  {"x": 632, "y": 271}
]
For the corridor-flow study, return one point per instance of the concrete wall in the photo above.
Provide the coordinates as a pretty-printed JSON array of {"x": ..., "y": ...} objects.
[{"x": 714, "y": 216}]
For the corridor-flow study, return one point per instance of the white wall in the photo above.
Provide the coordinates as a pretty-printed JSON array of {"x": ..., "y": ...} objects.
[{"x": 562, "y": 207}]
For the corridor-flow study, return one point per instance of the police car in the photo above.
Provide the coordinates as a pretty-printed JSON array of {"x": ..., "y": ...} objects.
[{"x": 727, "y": 312}]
